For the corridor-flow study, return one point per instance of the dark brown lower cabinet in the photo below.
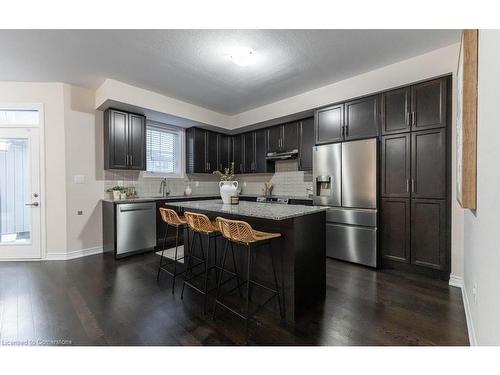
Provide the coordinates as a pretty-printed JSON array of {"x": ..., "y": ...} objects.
[
  {"x": 395, "y": 232},
  {"x": 428, "y": 233}
]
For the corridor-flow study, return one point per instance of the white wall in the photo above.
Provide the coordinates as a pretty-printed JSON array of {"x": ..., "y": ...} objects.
[
  {"x": 84, "y": 157},
  {"x": 51, "y": 96},
  {"x": 481, "y": 228}
]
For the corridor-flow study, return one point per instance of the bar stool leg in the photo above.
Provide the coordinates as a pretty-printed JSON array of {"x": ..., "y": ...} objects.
[
  {"x": 220, "y": 279},
  {"x": 175, "y": 258},
  {"x": 162, "y": 251},
  {"x": 276, "y": 281},
  {"x": 188, "y": 268},
  {"x": 236, "y": 271},
  {"x": 247, "y": 314},
  {"x": 215, "y": 260},
  {"x": 207, "y": 259}
]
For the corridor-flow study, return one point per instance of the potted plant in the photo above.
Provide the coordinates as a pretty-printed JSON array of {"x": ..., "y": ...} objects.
[
  {"x": 228, "y": 186},
  {"x": 116, "y": 190}
]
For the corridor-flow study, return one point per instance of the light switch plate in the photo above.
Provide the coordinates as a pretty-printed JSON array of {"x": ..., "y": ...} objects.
[{"x": 79, "y": 179}]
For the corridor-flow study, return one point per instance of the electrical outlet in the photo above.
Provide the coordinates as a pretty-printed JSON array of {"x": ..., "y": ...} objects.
[
  {"x": 197, "y": 183},
  {"x": 244, "y": 184},
  {"x": 79, "y": 212}
]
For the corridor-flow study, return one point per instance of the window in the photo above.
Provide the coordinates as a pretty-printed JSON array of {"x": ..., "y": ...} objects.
[{"x": 163, "y": 151}]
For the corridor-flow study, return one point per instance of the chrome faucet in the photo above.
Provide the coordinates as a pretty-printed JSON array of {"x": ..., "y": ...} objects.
[{"x": 164, "y": 191}]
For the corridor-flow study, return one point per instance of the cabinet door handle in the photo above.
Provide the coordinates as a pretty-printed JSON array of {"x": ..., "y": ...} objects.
[
  {"x": 412, "y": 185},
  {"x": 407, "y": 118},
  {"x": 407, "y": 185},
  {"x": 413, "y": 118},
  {"x": 131, "y": 160},
  {"x": 126, "y": 160}
]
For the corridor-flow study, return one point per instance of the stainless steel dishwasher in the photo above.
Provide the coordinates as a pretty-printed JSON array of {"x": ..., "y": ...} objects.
[{"x": 135, "y": 227}]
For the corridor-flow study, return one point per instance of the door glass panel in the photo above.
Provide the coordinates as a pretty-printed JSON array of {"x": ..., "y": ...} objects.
[
  {"x": 15, "y": 217},
  {"x": 18, "y": 117}
]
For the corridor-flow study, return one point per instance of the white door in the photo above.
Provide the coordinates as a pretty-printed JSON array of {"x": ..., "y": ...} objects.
[{"x": 20, "y": 218}]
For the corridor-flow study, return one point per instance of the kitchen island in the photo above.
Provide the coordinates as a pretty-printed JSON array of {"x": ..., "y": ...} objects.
[{"x": 299, "y": 254}]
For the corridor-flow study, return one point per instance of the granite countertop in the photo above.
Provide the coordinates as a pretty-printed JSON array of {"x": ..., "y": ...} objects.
[{"x": 270, "y": 211}]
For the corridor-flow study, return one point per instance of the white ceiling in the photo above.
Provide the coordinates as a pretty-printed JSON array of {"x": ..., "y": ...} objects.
[{"x": 192, "y": 65}]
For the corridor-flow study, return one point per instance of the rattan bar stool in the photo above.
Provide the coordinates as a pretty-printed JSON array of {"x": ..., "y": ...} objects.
[
  {"x": 201, "y": 226},
  {"x": 171, "y": 219},
  {"x": 241, "y": 233}
]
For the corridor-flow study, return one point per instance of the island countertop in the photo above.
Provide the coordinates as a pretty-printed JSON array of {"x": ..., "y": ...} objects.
[{"x": 271, "y": 211}]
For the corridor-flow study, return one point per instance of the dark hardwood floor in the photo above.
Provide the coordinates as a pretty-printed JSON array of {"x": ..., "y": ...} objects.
[{"x": 99, "y": 301}]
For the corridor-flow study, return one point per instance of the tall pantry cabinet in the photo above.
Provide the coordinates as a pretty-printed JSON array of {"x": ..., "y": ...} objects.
[{"x": 415, "y": 177}]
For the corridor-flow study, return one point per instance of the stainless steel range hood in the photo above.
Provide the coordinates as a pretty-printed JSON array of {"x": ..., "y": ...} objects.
[{"x": 282, "y": 155}]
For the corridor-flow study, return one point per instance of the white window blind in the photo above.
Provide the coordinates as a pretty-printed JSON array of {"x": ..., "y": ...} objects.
[{"x": 163, "y": 151}]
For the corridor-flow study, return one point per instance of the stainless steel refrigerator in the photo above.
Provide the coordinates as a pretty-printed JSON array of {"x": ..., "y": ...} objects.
[{"x": 345, "y": 178}]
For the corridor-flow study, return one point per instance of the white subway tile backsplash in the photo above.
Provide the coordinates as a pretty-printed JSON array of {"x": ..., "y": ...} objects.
[{"x": 286, "y": 181}]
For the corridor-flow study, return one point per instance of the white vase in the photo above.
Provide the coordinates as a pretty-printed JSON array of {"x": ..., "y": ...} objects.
[
  {"x": 188, "y": 191},
  {"x": 116, "y": 195},
  {"x": 228, "y": 189}
]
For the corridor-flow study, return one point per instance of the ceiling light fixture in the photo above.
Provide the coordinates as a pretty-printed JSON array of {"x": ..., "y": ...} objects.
[{"x": 242, "y": 56}]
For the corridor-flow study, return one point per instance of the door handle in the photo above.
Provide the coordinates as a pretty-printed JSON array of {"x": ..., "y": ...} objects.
[
  {"x": 131, "y": 160},
  {"x": 407, "y": 185},
  {"x": 35, "y": 204},
  {"x": 412, "y": 185}
]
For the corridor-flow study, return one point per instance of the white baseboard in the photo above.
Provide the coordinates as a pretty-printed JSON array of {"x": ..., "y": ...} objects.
[
  {"x": 468, "y": 317},
  {"x": 456, "y": 281},
  {"x": 74, "y": 254},
  {"x": 459, "y": 283}
]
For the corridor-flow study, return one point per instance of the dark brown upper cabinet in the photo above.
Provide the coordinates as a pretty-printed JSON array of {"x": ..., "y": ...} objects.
[
  {"x": 290, "y": 137},
  {"x": 283, "y": 138},
  {"x": 274, "y": 138},
  {"x": 428, "y": 233},
  {"x": 249, "y": 152},
  {"x": 225, "y": 151},
  {"x": 395, "y": 113},
  {"x": 428, "y": 170},
  {"x": 212, "y": 151},
  {"x": 124, "y": 140},
  {"x": 361, "y": 118},
  {"x": 395, "y": 229},
  {"x": 238, "y": 153},
  {"x": 429, "y": 104},
  {"x": 306, "y": 129},
  {"x": 395, "y": 162},
  {"x": 137, "y": 142},
  {"x": 329, "y": 124},
  {"x": 260, "y": 162},
  {"x": 196, "y": 150}
]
